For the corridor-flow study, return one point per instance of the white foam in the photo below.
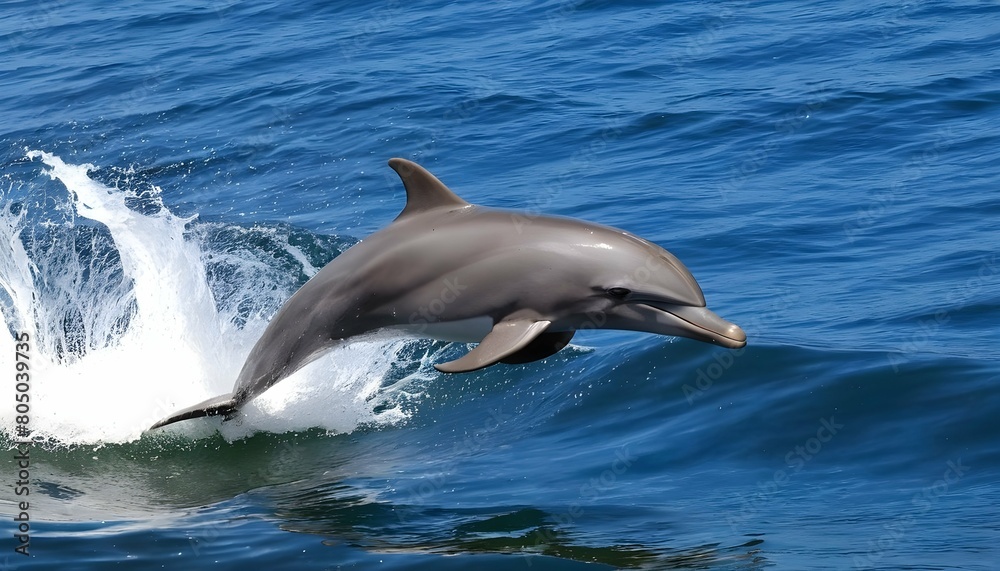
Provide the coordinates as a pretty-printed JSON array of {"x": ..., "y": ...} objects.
[{"x": 178, "y": 348}]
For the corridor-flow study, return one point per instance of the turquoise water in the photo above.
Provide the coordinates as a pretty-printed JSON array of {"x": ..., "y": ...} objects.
[{"x": 171, "y": 173}]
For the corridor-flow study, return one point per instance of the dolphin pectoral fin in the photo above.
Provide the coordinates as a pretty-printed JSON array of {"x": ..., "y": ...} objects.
[
  {"x": 543, "y": 346},
  {"x": 505, "y": 339},
  {"x": 223, "y": 404}
]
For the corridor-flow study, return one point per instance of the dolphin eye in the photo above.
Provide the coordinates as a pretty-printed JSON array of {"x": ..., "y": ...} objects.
[{"x": 619, "y": 292}]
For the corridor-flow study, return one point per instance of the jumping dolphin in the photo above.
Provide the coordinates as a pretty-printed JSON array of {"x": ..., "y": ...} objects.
[{"x": 518, "y": 284}]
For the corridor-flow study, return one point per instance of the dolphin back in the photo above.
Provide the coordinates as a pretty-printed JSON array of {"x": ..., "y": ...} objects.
[{"x": 223, "y": 404}]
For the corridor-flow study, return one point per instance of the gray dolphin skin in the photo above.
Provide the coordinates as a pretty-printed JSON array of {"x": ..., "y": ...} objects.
[{"x": 518, "y": 284}]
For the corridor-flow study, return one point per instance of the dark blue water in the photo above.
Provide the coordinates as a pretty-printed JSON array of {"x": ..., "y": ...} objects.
[{"x": 828, "y": 172}]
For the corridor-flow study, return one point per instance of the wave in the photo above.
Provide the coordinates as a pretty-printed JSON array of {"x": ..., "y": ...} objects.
[{"x": 133, "y": 312}]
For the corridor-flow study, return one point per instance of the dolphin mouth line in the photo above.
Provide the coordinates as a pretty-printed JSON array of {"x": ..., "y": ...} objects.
[{"x": 731, "y": 336}]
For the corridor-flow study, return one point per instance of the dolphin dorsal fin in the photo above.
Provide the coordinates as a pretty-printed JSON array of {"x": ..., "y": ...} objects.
[{"x": 423, "y": 190}]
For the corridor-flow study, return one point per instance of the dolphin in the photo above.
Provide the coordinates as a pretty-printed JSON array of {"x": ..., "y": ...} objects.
[{"x": 517, "y": 283}]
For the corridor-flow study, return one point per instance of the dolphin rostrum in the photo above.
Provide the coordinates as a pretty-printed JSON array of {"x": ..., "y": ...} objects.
[{"x": 518, "y": 284}]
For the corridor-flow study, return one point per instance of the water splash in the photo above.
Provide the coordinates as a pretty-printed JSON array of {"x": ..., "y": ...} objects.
[{"x": 126, "y": 326}]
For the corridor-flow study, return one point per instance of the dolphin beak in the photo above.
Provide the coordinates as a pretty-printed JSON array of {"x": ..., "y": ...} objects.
[{"x": 700, "y": 323}]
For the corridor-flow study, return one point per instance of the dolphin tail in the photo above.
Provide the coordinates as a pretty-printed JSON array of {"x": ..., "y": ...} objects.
[{"x": 223, "y": 404}]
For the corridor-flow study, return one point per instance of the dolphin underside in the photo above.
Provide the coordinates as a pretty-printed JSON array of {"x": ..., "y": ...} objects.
[{"x": 216, "y": 406}]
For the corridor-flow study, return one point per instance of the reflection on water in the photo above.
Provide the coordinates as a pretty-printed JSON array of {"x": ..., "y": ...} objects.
[{"x": 323, "y": 485}]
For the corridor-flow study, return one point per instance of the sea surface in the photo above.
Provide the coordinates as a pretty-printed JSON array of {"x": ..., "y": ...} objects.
[{"x": 171, "y": 172}]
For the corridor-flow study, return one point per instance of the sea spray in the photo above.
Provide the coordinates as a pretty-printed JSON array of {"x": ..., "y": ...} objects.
[{"x": 129, "y": 328}]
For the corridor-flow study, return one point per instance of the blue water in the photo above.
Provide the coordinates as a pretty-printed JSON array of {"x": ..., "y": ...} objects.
[{"x": 829, "y": 172}]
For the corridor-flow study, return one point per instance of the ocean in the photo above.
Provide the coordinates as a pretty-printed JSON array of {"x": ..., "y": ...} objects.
[{"x": 170, "y": 173}]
